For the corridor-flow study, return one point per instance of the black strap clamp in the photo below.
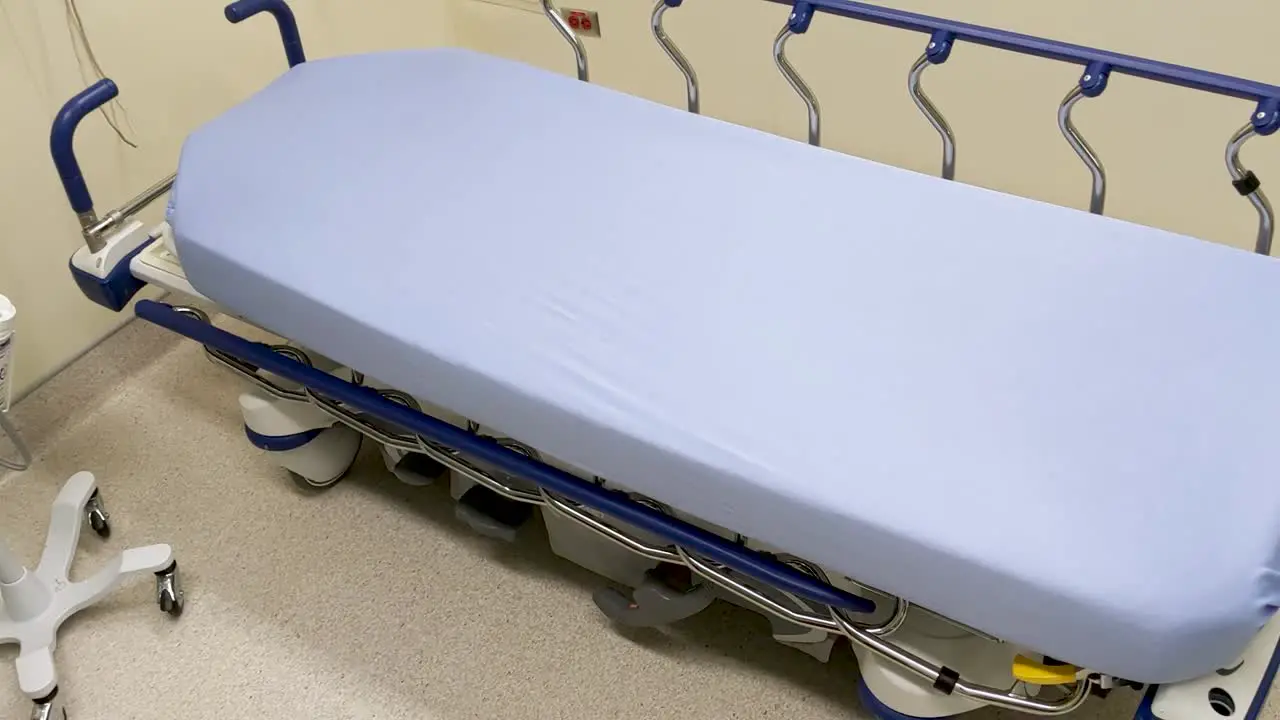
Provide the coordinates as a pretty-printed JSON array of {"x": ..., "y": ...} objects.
[
  {"x": 946, "y": 681},
  {"x": 1248, "y": 184}
]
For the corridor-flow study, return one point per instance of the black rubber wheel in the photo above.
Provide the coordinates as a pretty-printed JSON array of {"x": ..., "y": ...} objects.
[
  {"x": 100, "y": 526},
  {"x": 97, "y": 515},
  {"x": 171, "y": 606},
  {"x": 313, "y": 488},
  {"x": 58, "y": 714}
]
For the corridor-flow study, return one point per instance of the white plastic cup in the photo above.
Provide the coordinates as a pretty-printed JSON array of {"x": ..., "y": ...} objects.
[{"x": 7, "y": 315}]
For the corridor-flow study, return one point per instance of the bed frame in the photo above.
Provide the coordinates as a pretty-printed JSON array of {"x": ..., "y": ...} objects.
[{"x": 121, "y": 256}]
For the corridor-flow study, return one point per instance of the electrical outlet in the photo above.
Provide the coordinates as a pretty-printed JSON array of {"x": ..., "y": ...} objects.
[{"x": 583, "y": 22}]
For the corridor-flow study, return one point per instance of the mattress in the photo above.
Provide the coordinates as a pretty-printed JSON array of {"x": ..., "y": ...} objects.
[{"x": 1055, "y": 427}]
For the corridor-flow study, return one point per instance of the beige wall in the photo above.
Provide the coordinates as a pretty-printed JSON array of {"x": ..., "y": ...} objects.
[
  {"x": 1162, "y": 146},
  {"x": 177, "y": 64}
]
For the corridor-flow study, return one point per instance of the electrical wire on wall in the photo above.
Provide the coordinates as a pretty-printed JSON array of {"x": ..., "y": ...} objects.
[{"x": 84, "y": 54}]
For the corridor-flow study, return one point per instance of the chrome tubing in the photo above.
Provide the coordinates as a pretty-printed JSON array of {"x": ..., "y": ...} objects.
[
  {"x": 901, "y": 607},
  {"x": 922, "y": 610},
  {"x": 88, "y": 221},
  {"x": 798, "y": 84},
  {"x": 755, "y": 597},
  {"x": 677, "y": 57},
  {"x": 1082, "y": 148},
  {"x": 874, "y": 638},
  {"x": 935, "y": 118},
  {"x": 573, "y": 512},
  {"x": 93, "y": 228},
  {"x": 982, "y": 693},
  {"x": 579, "y": 52},
  {"x": 1247, "y": 184},
  {"x": 414, "y": 443}
]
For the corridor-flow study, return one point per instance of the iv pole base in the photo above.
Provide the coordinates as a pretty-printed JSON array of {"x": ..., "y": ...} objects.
[{"x": 39, "y": 600}]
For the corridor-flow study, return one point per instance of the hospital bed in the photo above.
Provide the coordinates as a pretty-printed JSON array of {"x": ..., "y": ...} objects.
[{"x": 1017, "y": 464}]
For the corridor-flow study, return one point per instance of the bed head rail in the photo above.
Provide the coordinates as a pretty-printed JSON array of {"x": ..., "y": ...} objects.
[
  {"x": 244, "y": 9},
  {"x": 93, "y": 228},
  {"x": 62, "y": 147},
  {"x": 1098, "y": 65}
]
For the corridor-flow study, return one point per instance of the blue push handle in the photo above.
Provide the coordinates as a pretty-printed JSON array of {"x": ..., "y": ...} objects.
[
  {"x": 279, "y": 9},
  {"x": 62, "y": 140},
  {"x": 1267, "y": 96},
  {"x": 562, "y": 483}
]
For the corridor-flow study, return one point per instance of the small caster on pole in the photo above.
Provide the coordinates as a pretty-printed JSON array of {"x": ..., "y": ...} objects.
[
  {"x": 49, "y": 708},
  {"x": 169, "y": 593},
  {"x": 97, "y": 514}
]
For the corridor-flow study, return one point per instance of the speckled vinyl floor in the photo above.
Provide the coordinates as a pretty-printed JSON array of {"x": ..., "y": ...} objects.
[{"x": 368, "y": 601}]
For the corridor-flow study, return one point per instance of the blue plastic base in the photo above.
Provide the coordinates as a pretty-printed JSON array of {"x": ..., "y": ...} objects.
[
  {"x": 880, "y": 711},
  {"x": 119, "y": 286},
  {"x": 280, "y": 443}
]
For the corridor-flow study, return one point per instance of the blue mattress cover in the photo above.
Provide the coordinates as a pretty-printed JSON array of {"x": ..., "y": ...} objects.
[{"x": 1055, "y": 427}]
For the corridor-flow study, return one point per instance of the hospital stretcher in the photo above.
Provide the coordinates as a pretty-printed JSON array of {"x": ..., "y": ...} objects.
[{"x": 1018, "y": 465}]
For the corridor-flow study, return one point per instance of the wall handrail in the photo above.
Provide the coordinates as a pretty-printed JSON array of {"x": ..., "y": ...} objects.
[{"x": 1040, "y": 47}]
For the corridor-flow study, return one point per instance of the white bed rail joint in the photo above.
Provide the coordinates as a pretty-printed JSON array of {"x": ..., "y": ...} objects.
[{"x": 104, "y": 274}]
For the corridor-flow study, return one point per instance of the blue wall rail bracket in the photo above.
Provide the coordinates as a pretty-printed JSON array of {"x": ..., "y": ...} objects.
[
  {"x": 1094, "y": 80},
  {"x": 939, "y": 48},
  {"x": 244, "y": 9},
  {"x": 696, "y": 540},
  {"x": 801, "y": 16},
  {"x": 1266, "y": 119}
]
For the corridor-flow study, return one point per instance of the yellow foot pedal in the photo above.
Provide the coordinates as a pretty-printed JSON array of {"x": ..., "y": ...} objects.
[{"x": 1038, "y": 673}]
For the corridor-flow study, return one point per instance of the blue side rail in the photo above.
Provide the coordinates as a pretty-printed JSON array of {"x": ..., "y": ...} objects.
[{"x": 701, "y": 542}]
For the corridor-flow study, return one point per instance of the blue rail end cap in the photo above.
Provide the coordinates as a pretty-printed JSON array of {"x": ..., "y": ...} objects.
[
  {"x": 1094, "y": 80},
  {"x": 940, "y": 44},
  {"x": 801, "y": 16},
  {"x": 1266, "y": 119}
]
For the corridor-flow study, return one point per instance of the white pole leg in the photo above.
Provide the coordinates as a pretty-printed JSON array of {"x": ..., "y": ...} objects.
[{"x": 11, "y": 569}]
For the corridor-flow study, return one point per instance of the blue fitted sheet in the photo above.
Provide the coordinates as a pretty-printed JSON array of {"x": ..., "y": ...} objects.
[{"x": 1058, "y": 428}]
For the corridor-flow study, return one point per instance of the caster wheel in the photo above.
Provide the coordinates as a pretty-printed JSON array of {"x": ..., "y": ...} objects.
[
  {"x": 50, "y": 708},
  {"x": 97, "y": 514},
  {"x": 880, "y": 711},
  {"x": 169, "y": 593},
  {"x": 334, "y": 451},
  {"x": 48, "y": 711},
  {"x": 310, "y": 486}
]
